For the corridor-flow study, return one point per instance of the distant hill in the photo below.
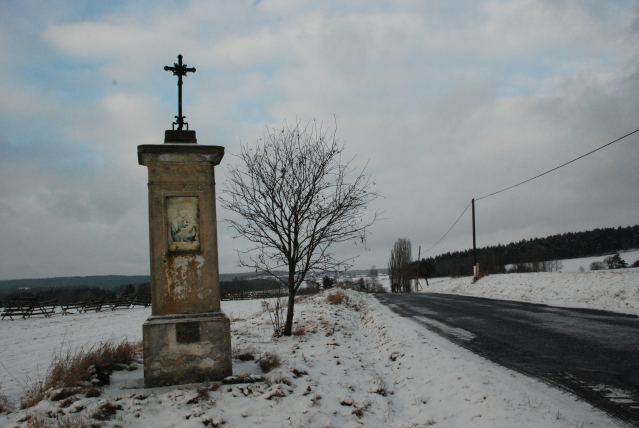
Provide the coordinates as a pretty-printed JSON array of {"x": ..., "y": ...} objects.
[
  {"x": 112, "y": 282},
  {"x": 102, "y": 281}
]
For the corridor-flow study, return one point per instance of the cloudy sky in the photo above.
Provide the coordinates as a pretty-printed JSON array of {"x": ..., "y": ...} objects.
[{"x": 446, "y": 101}]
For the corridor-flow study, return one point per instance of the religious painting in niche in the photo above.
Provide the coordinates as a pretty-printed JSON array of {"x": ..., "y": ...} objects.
[{"x": 184, "y": 226}]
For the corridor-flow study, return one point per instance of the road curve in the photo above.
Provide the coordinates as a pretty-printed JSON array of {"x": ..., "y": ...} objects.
[{"x": 591, "y": 353}]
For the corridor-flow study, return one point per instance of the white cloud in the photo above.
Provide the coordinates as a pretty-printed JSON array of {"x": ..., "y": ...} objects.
[{"x": 448, "y": 101}]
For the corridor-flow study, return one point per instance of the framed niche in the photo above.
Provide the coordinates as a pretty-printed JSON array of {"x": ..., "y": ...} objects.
[{"x": 183, "y": 221}]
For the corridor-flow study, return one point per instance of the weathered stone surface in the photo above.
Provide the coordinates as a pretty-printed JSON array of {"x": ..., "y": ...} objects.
[
  {"x": 187, "y": 339},
  {"x": 182, "y": 282},
  {"x": 172, "y": 355}
]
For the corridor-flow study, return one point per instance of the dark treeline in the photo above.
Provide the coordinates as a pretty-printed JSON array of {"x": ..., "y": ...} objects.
[
  {"x": 76, "y": 293},
  {"x": 572, "y": 245},
  {"x": 109, "y": 282},
  {"x": 64, "y": 294},
  {"x": 241, "y": 285}
]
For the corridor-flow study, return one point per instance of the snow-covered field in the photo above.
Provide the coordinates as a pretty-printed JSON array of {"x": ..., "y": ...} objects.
[
  {"x": 27, "y": 345},
  {"x": 356, "y": 365},
  {"x": 573, "y": 265},
  {"x": 614, "y": 290}
]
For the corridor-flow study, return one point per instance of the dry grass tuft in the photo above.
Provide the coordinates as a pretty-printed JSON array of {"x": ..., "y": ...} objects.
[
  {"x": 380, "y": 387},
  {"x": 213, "y": 422},
  {"x": 298, "y": 373},
  {"x": 80, "y": 370},
  {"x": 278, "y": 377},
  {"x": 62, "y": 394},
  {"x": 300, "y": 299},
  {"x": 269, "y": 361},
  {"x": 202, "y": 395},
  {"x": 106, "y": 411},
  {"x": 299, "y": 330},
  {"x": 315, "y": 400},
  {"x": 75, "y": 421},
  {"x": 381, "y": 390},
  {"x": 244, "y": 354},
  {"x": 33, "y": 396},
  {"x": 68, "y": 401},
  {"x": 92, "y": 392},
  {"x": 6, "y": 406},
  {"x": 336, "y": 298},
  {"x": 34, "y": 421}
]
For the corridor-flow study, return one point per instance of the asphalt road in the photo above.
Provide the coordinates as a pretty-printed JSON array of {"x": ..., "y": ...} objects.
[{"x": 592, "y": 354}]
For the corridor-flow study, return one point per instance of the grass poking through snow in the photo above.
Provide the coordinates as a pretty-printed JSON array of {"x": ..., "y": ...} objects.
[
  {"x": 269, "y": 361},
  {"x": 244, "y": 354},
  {"x": 34, "y": 421},
  {"x": 336, "y": 298},
  {"x": 6, "y": 406},
  {"x": 80, "y": 371}
]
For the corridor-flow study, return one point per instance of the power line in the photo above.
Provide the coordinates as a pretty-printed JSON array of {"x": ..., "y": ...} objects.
[
  {"x": 451, "y": 228},
  {"x": 526, "y": 181},
  {"x": 576, "y": 159}
]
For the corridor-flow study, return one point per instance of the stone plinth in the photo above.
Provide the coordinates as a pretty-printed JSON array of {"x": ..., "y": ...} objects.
[
  {"x": 186, "y": 349},
  {"x": 187, "y": 338}
]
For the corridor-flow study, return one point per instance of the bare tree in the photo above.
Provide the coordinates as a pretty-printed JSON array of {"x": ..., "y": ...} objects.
[
  {"x": 296, "y": 198},
  {"x": 374, "y": 285},
  {"x": 399, "y": 270}
]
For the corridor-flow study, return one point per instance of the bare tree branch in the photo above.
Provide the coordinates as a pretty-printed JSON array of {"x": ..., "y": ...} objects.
[{"x": 296, "y": 199}]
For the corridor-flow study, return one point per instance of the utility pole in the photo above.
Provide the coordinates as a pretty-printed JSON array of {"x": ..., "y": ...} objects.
[
  {"x": 419, "y": 255},
  {"x": 475, "y": 266}
]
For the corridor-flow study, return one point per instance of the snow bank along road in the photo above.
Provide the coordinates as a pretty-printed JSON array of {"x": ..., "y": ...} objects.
[
  {"x": 615, "y": 290},
  {"x": 355, "y": 364},
  {"x": 591, "y": 353}
]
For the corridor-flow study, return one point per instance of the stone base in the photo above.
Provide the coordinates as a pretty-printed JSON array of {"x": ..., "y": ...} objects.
[{"x": 190, "y": 348}]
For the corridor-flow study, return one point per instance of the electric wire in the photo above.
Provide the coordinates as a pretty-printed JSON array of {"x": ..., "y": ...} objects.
[
  {"x": 451, "y": 228},
  {"x": 556, "y": 168},
  {"x": 526, "y": 181}
]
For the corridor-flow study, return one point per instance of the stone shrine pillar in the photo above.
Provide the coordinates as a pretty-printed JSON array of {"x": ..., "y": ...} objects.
[{"x": 187, "y": 338}]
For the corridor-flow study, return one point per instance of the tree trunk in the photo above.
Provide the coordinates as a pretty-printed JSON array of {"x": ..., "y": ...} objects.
[{"x": 288, "y": 328}]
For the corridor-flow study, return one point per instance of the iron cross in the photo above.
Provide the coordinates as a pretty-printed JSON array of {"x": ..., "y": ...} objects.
[{"x": 179, "y": 70}]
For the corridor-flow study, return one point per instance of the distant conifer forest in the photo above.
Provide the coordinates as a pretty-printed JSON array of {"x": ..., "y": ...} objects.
[{"x": 494, "y": 259}]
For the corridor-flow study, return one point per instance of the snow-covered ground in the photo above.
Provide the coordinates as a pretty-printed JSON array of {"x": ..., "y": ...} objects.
[
  {"x": 614, "y": 290},
  {"x": 573, "y": 265},
  {"x": 356, "y": 365},
  {"x": 26, "y": 346}
]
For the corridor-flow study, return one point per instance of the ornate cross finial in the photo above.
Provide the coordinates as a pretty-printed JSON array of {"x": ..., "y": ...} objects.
[{"x": 179, "y": 70}]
